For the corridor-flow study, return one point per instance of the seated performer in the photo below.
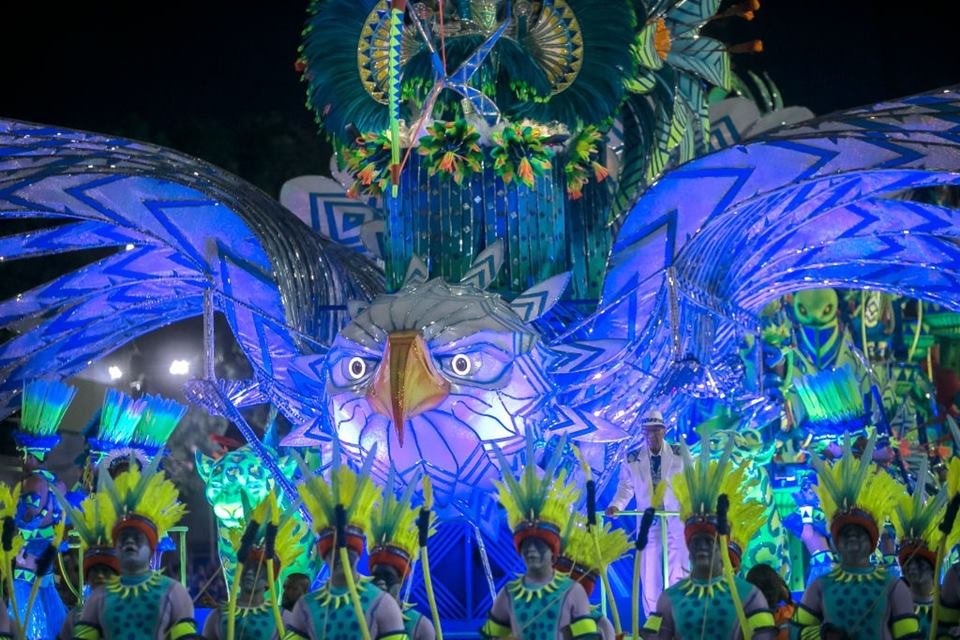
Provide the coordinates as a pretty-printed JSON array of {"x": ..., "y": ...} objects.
[
  {"x": 393, "y": 545},
  {"x": 100, "y": 564},
  {"x": 579, "y": 559},
  {"x": 644, "y": 469},
  {"x": 541, "y": 604},
  {"x": 329, "y": 612},
  {"x": 703, "y": 605},
  {"x": 856, "y": 599},
  {"x": 141, "y": 604}
]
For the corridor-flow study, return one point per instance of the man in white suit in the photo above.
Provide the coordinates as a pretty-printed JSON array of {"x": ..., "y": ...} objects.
[{"x": 654, "y": 462}]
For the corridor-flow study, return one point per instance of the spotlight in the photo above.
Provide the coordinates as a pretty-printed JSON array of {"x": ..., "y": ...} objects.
[
  {"x": 115, "y": 372},
  {"x": 180, "y": 367}
]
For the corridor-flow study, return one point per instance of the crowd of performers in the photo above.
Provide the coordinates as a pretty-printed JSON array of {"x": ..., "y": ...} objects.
[{"x": 122, "y": 522}]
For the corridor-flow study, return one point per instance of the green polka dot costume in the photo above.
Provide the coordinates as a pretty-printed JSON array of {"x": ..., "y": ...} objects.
[
  {"x": 541, "y": 613},
  {"x": 137, "y": 608},
  {"x": 865, "y": 603},
  {"x": 328, "y": 614},
  {"x": 253, "y": 623},
  {"x": 705, "y": 609}
]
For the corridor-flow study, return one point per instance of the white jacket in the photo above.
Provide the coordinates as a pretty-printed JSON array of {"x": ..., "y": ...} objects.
[{"x": 635, "y": 482}]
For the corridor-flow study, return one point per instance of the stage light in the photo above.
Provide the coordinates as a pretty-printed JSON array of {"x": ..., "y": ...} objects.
[
  {"x": 115, "y": 372},
  {"x": 179, "y": 367}
]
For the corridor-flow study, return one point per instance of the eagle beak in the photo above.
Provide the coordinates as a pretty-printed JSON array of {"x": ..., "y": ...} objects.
[{"x": 407, "y": 383}]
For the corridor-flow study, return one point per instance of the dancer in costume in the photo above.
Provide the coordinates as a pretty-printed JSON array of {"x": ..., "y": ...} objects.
[
  {"x": 581, "y": 561},
  {"x": 645, "y": 468},
  {"x": 92, "y": 521},
  {"x": 44, "y": 404},
  {"x": 856, "y": 599},
  {"x": 916, "y": 519},
  {"x": 331, "y": 613},
  {"x": 948, "y": 617},
  {"x": 255, "y": 617},
  {"x": 141, "y": 603},
  {"x": 392, "y": 547},
  {"x": 542, "y": 604},
  {"x": 8, "y": 550},
  {"x": 704, "y": 604}
]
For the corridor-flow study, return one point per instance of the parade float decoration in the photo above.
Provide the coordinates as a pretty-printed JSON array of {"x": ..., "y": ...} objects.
[{"x": 497, "y": 151}]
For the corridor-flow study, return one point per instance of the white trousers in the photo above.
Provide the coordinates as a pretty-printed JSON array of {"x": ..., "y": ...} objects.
[{"x": 651, "y": 561}]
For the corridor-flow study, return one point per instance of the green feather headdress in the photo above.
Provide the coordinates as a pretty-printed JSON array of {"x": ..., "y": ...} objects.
[
  {"x": 700, "y": 483},
  {"x": 853, "y": 491},
  {"x": 44, "y": 404},
  {"x": 581, "y": 549},
  {"x": 917, "y": 518},
  {"x": 536, "y": 497},
  {"x": 139, "y": 496},
  {"x": 119, "y": 417},
  {"x": 160, "y": 417},
  {"x": 393, "y": 522},
  {"x": 355, "y": 492}
]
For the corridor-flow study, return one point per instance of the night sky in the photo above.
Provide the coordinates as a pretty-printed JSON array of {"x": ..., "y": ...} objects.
[{"x": 216, "y": 79}]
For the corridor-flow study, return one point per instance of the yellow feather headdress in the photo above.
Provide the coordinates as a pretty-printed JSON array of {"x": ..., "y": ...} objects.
[
  {"x": 290, "y": 530},
  {"x": 581, "y": 550},
  {"x": 917, "y": 519},
  {"x": 853, "y": 490},
  {"x": 8, "y": 510},
  {"x": 393, "y": 523},
  {"x": 745, "y": 516},
  {"x": 353, "y": 492},
  {"x": 140, "y": 497},
  {"x": 537, "y": 503},
  {"x": 699, "y": 485}
]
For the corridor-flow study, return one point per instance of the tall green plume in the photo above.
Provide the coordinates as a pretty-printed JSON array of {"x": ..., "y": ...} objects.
[
  {"x": 43, "y": 406},
  {"x": 119, "y": 417},
  {"x": 160, "y": 417}
]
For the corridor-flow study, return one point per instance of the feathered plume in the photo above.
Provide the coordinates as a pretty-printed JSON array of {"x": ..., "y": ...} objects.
[
  {"x": 746, "y": 517},
  {"x": 581, "y": 549},
  {"x": 355, "y": 491},
  {"x": 536, "y": 497},
  {"x": 44, "y": 404},
  {"x": 93, "y": 520},
  {"x": 917, "y": 517},
  {"x": 160, "y": 417},
  {"x": 291, "y": 532},
  {"x": 393, "y": 521},
  {"x": 119, "y": 416},
  {"x": 146, "y": 493},
  {"x": 853, "y": 483},
  {"x": 699, "y": 484}
]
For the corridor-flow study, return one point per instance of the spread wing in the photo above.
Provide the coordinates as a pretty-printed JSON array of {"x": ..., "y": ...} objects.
[
  {"x": 164, "y": 230},
  {"x": 838, "y": 201}
]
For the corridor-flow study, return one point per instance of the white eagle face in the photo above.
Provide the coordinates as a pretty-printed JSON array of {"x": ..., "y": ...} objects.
[{"x": 436, "y": 374}]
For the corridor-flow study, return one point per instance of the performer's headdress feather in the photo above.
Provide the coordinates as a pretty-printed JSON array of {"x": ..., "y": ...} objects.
[
  {"x": 145, "y": 500},
  {"x": 537, "y": 504},
  {"x": 746, "y": 516},
  {"x": 11, "y": 542},
  {"x": 93, "y": 521},
  {"x": 579, "y": 555},
  {"x": 160, "y": 419},
  {"x": 290, "y": 534},
  {"x": 119, "y": 417},
  {"x": 917, "y": 520},
  {"x": 43, "y": 406},
  {"x": 854, "y": 491},
  {"x": 698, "y": 486},
  {"x": 354, "y": 492},
  {"x": 394, "y": 538}
]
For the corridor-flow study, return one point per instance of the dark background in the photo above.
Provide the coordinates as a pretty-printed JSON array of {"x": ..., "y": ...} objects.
[{"x": 216, "y": 79}]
